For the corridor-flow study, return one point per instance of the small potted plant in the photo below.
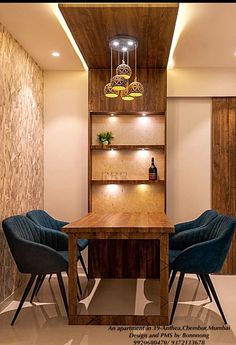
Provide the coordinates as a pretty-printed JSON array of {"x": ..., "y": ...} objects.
[{"x": 105, "y": 138}]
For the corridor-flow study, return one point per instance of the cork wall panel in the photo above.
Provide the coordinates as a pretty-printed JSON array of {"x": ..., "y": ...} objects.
[
  {"x": 126, "y": 164},
  {"x": 21, "y": 149},
  {"x": 128, "y": 198},
  {"x": 131, "y": 129}
]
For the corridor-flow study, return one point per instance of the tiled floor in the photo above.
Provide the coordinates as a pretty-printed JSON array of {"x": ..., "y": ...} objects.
[{"x": 44, "y": 322}]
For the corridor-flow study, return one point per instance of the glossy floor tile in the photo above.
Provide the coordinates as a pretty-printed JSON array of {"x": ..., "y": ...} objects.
[{"x": 44, "y": 322}]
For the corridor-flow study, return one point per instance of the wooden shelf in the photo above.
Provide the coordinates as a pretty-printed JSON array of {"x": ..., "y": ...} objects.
[
  {"x": 136, "y": 113},
  {"x": 126, "y": 181},
  {"x": 127, "y": 147}
]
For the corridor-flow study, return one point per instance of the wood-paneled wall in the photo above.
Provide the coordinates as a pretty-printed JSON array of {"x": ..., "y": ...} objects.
[
  {"x": 153, "y": 99},
  {"x": 21, "y": 148},
  {"x": 224, "y": 165}
]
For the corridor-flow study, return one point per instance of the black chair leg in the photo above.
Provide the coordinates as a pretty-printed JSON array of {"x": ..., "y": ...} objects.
[
  {"x": 50, "y": 277},
  {"x": 211, "y": 286},
  {"x": 25, "y": 294},
  {"x": 172, "y": 278},
  {"x": 40, "y": 284},
  {"x": 63, "y": 291},
  {"x": 78, "y": 282},
  {"x": 83, "y": 265},
  {"x": 179, "y": 286},
  {"x": 36, "y": 287},
  {"x": 203, "y": 279},
  {"x": 198, "y": 277}
]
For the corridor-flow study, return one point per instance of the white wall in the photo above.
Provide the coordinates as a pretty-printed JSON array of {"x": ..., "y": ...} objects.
[
  {"x": 201, "y": 82},
  {"x": 65, "y": 144},
  {"x": 188, "y": 157}
]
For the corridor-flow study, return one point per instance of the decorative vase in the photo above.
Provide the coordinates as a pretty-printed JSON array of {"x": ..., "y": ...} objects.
[{"x": 105, "y": 142}]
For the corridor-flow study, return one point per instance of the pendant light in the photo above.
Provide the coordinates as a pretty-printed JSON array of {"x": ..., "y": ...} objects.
[
  {"x": 136, "y": 89},
  {"x": 108, "y": 90},
  {"x": 119, "y": 84}
]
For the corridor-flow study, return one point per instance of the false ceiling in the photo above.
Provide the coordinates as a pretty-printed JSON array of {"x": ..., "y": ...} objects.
[{"x": 92, "y": 25}]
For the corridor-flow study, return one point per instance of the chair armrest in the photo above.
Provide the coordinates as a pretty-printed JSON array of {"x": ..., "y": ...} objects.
[
  {"x": 204, "y": 257},
  {"x": 185, "y": 226},
  {"x": 53, "y": 238},
  {"x": 186, "y": 238},
  {"x": 36, "y": 258}
]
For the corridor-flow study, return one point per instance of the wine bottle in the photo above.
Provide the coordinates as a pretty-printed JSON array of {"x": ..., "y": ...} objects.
[{"x": 153, "y": 171}]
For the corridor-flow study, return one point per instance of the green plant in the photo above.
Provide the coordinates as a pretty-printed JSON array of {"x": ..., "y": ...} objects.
[{"x": 105, "y": 137}]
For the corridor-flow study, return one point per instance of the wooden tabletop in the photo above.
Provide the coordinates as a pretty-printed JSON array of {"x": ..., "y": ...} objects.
[{"x": 124, "y": 222}]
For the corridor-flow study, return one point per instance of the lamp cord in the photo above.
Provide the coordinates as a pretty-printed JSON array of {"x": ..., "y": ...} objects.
[
  {"x": 111, "y": 63},
  {"x": 135, "y": 62}
]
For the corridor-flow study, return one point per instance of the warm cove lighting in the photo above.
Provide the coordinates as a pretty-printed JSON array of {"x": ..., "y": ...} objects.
[
  {"x": 55, "y": 54},
  {"x": 62, "y": 21},
  {"x": 184, "y": 15}
]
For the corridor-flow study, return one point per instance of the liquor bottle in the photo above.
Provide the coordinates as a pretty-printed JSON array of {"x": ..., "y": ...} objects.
[{"x": 153, "y": 171}]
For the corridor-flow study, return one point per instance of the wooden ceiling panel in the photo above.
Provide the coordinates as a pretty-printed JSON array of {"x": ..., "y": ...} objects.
[{"x": 92, "y": 26}]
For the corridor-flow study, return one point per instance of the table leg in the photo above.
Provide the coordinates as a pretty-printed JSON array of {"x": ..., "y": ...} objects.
[
  {"x": 164, "y": 277},
  {"x": 73, "y": 253}
]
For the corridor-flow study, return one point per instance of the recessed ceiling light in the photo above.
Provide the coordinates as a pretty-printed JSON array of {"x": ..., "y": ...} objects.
[
  {"x": 130, "y": 43},
  {"x": 55, "y": 54},
  {"x": 115, "y": 43},
  {"x": 112, "y": 114},
  {"x": 124, "y": 49},
  {"x": 143, "y": 114},
  {"x": 235, "y": 53}
]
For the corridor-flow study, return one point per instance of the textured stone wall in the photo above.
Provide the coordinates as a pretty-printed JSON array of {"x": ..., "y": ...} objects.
[{"x": 21, "y": 144}]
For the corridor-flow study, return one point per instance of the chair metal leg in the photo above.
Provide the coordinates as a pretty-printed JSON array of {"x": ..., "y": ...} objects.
[
  {"x": 36, "y": 287},
  {"x": 40, "y": 284},
  {"x": 198, "y": 277},
  {"x": 179, "y": 286},
  {"x": 63, "y": 291},
  {"x": 172, "y": 278},
  {"x": 50, "y": 277},
  {"x": 25, "y": 294},
  {"x": 203, "y": 279},
  {"x": 83, "y": 265},
  {"x": 211, "y": 286},
  {"x": 78, "y": 282}
]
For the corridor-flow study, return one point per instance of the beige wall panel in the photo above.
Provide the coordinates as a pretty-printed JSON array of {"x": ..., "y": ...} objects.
[
  {"x": 126, "y": 164},
  {"x": 128, "y": 198},
  {"x": 21, "y": 148},
  {"x": 188, "y": 157},
  {"x": 131, "y": 130}
]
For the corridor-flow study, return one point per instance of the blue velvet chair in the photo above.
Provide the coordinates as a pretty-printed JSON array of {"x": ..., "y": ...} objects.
[
  {"x": 203, "y": 252},
  {"x": 42, "y": 218},
  {"x": 36, "y": 251}
]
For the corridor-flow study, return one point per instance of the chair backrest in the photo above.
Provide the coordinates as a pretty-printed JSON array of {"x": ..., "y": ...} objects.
[
  {"x": 27, "y": 241},
  {"x": 220, "y": 227},
  {"x": 206, "y": 217},
  {"x": 42, "y": 218}
]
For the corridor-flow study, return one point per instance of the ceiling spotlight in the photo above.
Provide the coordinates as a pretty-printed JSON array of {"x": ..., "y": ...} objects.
[
  {"x": 124, "y": 49},
  {"x": 115, "y": 43},
  {"x": 55, "y": 54},
  {"x": 130, "y": 43},
  {"x": 143, "y": 114},
  {"x": 112, "y": 114}
]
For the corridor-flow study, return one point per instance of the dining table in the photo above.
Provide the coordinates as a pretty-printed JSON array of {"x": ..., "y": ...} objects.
[{"x": 123, "y": 226}]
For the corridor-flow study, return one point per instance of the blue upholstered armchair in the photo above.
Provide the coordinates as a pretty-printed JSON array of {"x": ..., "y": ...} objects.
[
  {"x": 204, "y": 252},
  {"x": 42, "y": 218},
  {"x": 36, "y": 251}
]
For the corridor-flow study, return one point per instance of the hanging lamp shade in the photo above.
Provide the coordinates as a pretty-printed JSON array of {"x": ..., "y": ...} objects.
[
  {"x": 118, "y": 83},
  {"x": 124, "y": 70},
  {"x": 136, "y": 89},
  {"x": 125, "y": 95},
  {"x": 109, "y": 92}
]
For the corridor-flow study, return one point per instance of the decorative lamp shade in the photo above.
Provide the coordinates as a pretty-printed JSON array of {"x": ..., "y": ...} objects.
[
  {"x": 118, "y": 83},
  {"x": 136, "y": 89},
  {"x": 125, "y": 95},
  {"x": 124, "y": 71},
  {"x": 109, "y": 92}
]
